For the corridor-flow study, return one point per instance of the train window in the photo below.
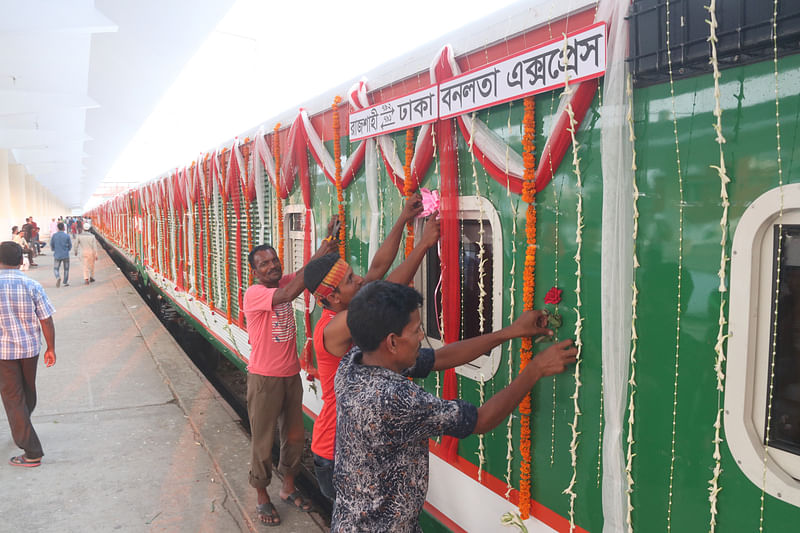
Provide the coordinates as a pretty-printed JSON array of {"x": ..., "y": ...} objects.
[
  {"x": 783, "y": 409},
  {"x": 294, "y": 225},
  {"x": 479, "y": 224},
  {"x": 762, "y": 396}
]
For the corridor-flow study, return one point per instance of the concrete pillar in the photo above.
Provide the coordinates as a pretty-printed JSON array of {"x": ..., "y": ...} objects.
[
  {"x": 16, "y": 179},
  {"x": 36, "y": 201},
  {"x": 5, "y": 198},
  {"x": 40, "y": 203},
  {"x": 30, "y": 195}
]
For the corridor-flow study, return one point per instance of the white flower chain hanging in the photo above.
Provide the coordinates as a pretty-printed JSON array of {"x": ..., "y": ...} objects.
[
  {"x": 714, "y": 488},
  {"x": 779, "y": 257},
  {"x": 512, "y": 292},
  {"x": 634, "y": 304},
  {"x": 481, "y": 287},
  {"x": 573, "y": 446},
  {"x": 680, "y": 275}
]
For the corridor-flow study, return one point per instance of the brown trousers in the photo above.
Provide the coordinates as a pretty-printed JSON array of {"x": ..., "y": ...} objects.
[
  {"x": 271, "y": 402},
  {"x": 18, "y": 389}
]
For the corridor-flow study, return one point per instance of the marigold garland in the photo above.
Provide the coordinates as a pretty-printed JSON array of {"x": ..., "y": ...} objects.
[
  {"x": 226, "y": 228},
  {"x": 529, "y": 197},
  {"x": 408, "y": 188},
  {"x": 276, "y": 148},
  {"x": 195, "y": 236},
  {"x": 207, "y": 224},
  {"x": 337, "y": 161}
]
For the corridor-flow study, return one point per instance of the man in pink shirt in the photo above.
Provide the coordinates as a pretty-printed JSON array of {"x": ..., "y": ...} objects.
[{"x": 274, "y": 390}]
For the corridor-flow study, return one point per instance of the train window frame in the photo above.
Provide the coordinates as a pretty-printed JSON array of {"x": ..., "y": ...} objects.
[
  {"x": 294, "y": 241},
  {"x": 751, "y": 317},
  {"x": 474, "y": 208}
]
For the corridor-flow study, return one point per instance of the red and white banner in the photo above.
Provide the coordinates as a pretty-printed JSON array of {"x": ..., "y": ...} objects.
[
  {"x": 576, "y": 57},
  {"x": 409, "y": 111}
]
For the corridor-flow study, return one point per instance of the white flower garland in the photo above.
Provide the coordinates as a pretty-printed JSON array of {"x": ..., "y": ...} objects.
[
  {"x": 481, "y": 448},
  {"x": 634, "y": 305},
  {"x": 481, "y": 287},
  {"x": 713, "y": 489},
  {"x": 680, "y": 275},
  {"x": 573, "y": 447},
  {"x": 779, "y": 254},
  {"x": 512, "y": 292},
  {"x": 554, "y": 381}
]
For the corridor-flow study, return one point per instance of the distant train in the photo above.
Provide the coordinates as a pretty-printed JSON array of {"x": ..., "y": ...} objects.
[{"x": 658, "y": 216}]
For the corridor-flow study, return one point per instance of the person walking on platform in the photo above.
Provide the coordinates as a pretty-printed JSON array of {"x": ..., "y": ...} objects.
[
  {"x": 274, "y": 390},
  {"x": 53, "y": 227},
  {"x": 87, "y": 244},
  {"x": 61, "y": 244},
  {"x": 24, "y": 308}
]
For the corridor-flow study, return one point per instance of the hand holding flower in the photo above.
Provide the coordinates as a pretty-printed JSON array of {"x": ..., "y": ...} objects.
[{"x": 531, "y": 323}]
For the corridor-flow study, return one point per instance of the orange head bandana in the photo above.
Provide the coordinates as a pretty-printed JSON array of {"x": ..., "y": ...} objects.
[{"x": 332, "y": 280}]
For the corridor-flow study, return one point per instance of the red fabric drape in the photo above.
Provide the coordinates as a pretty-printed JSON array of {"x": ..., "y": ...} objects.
[
  {"x": 450, "y": 239},
  {"x": 556, "y": 146},
  {"x": 234, "y": 181}
]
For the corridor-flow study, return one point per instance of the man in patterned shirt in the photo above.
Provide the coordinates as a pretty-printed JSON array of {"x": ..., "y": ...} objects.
[
  {"x": 384, "y": 420},
  {"x": 274, "y": 390},
  {"x": 24, "y": 308}
]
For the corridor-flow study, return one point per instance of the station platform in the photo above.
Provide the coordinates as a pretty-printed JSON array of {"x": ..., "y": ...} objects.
[{"x": 135, "y": 438}]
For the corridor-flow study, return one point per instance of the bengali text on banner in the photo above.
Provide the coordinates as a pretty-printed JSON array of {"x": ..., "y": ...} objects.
[
  {"x": 408, "y": 111},
  {"x": 580, "y": 56}
]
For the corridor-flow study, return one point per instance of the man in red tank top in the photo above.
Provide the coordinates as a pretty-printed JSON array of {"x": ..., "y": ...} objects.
[{"x": 334, "y": 284}]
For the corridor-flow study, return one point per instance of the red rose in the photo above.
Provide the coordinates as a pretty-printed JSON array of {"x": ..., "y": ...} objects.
[{"x": 553, "y": 296}]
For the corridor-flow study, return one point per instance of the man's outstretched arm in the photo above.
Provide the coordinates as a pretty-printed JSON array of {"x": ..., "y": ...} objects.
[
  {"x": 293, "y": 289},
  {"x": 531, "y": 323},
  {"x": 404, "y": 273},
  {"x": 553, "y": 360},
  {"x": 385, "y": 255}
]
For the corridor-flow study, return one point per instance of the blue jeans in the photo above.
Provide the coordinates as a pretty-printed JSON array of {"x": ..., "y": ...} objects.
[
  {"x": 57, "y": 265},
  {"x": 323, "y": 468}
]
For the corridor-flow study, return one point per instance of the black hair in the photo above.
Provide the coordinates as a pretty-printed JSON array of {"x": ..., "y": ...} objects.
[
  {"x": 259, "y": 248},
  {"x": 10, "y": 253},
  {"x": 317, "y": 269},
  {"x": 378, "y": 309},
  {"x": 60, "y": 226},
  {"x": 14, "y": 229}
]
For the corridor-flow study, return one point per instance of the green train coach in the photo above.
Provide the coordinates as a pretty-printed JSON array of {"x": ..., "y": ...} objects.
[{"x": 629, "y": 165}]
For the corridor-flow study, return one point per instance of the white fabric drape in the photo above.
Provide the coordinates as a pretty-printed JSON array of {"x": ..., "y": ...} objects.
[
  {"x": 263, "y": 162},
  {"x": 371, "y": 170},
  {"x": 616, "y": 268}
]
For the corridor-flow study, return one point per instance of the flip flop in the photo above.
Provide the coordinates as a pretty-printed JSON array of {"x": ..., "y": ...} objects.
[
  {"x": 21, "y": 460},
  {"x": 291, "y": 498},
  {"x": 268, "y": 510}
]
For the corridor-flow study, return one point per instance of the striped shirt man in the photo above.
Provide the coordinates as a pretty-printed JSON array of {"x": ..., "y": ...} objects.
[{"x": 23, "y": 303}]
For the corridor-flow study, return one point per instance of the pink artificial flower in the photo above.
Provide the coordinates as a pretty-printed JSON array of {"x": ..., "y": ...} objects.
[{"x": 430, "y": 202}]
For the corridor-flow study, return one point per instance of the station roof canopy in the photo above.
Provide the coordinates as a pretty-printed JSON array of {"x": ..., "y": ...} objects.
[{"x": 78, "y": 78}]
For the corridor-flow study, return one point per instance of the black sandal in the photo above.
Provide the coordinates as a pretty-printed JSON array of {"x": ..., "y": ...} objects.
[
  {"x": 291, "y": 500},
  {"x": 268, "y": 511}
]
